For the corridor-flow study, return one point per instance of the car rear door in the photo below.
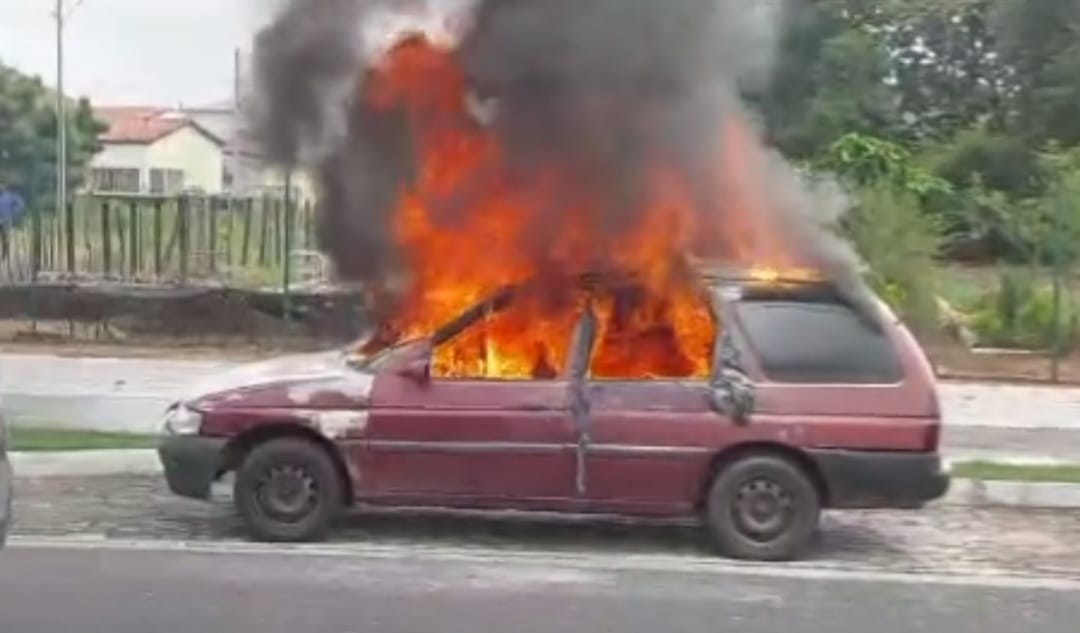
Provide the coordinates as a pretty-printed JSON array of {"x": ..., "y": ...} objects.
[{"x": 826, "y": 377}]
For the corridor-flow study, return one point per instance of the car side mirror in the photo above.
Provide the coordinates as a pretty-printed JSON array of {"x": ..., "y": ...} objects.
[
  {"x": 417, "y": 370},
  {"x": 732, "y": 395}
]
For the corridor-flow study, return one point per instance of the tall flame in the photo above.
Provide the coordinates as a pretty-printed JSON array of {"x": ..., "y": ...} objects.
[{"x": 468, "y": 223}]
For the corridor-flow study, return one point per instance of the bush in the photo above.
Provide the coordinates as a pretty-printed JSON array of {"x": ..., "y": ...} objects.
[
  {"x": 983, "y": 224},
  {"x": 899, "y": 244},
  {"x": 999, "y": 162},
  {"x": 1020, "y": 314}
]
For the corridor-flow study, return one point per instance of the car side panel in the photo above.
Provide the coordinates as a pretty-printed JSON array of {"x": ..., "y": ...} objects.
[
  {"x": 900, "y": 416},
  {"x": 463, "y": 441},
  {"x": 651, "y": 443}
]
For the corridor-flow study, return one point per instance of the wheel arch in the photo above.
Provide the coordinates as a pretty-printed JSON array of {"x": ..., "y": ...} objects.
[
  {"x": 238, "y": 448},
  {"x": 724, "y": 458}
]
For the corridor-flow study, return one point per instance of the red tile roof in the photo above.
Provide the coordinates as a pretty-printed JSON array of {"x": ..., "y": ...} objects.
[{"x": 141, "y": 124}]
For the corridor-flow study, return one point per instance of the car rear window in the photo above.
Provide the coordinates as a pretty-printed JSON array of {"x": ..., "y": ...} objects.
[{"x": 805, "y": 342}]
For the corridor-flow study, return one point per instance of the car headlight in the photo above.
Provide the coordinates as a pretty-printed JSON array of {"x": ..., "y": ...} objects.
[{"x": 182, "y": 420}]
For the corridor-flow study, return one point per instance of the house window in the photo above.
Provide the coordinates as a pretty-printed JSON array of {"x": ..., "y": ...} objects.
[
  {"x": 115, "y": 180},
  {"x": 166, "y": 181}
]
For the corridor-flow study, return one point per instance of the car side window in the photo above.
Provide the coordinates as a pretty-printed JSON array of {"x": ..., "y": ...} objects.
[
  {"x": 525, "y": 340},
  {"x": 641, "y": 336},
  {"x": 804, "y": 342}
]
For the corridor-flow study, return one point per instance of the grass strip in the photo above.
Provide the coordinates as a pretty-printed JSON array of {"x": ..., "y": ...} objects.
[
  {"x": 41, "y": 439},
  {"x": 993, "y": 471}
]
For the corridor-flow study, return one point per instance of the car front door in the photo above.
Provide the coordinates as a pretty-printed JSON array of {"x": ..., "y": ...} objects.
[{"x": 472, "y": 440}]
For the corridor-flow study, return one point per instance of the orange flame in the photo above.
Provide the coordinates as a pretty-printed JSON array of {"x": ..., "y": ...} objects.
[{"x": 468, "y": 225}]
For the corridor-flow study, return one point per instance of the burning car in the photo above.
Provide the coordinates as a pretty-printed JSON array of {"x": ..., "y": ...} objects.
[{"x": 750, "y": 405}]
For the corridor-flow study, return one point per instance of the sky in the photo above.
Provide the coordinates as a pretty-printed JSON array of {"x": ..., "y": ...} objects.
[{"x": 140, "y": 52}]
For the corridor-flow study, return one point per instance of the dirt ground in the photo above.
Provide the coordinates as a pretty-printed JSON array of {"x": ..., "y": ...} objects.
[{"x": 956, "y": 362}]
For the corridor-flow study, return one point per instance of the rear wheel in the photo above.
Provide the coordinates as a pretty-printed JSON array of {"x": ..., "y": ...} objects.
[
  {"x": 763, "y": 507},
  {"x": 288, "y": 489}
]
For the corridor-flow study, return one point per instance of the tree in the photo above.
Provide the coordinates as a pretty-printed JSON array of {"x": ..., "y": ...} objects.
[
  {"x": 945, "y": 65},
  {"x": 1040, "y": 39},
  {"x": 27, "y": 138},
  {"x": 830, "y": 79}
]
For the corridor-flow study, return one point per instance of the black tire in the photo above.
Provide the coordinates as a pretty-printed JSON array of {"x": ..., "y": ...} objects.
[
  {"x": 738, "y": 509},
  {"x": 272, "y": 470}
]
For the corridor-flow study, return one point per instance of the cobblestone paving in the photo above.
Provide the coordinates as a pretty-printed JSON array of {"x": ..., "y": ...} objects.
[{"x": 939, "y": 539}]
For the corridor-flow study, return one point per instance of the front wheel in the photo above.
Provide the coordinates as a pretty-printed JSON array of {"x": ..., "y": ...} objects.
[
  {"x": 288, "y": 489},
  {"x": 763, "y": 507}
]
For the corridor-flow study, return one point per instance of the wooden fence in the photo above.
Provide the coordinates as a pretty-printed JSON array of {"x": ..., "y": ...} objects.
[{"x": 248, "y": 242}]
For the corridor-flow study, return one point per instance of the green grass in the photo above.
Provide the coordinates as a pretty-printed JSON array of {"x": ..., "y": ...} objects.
[
  {"x": 991, "y": 471},
  {"x": 36, "y": 439}
]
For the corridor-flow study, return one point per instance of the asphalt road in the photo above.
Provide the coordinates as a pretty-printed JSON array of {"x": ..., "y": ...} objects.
[{"x": 59, "y": 588}]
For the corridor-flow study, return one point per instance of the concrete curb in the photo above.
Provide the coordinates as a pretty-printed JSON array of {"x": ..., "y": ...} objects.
[
  {"x": 85, "y": 463},
  {"x": 962, "y": 492},
  {"x": 1019, "y": 494}
]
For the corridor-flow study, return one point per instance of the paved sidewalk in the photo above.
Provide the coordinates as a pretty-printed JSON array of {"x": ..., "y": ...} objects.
[
  {"x": 129, "y": 394},
  {"x": 85, "y": 463},
  {"x": 1001, "y": 444}
]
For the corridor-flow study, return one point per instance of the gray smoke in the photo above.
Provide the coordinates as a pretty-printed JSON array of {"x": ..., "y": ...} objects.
[
  {"x": 305, "y": 64},
  {"x": 308, "y": 67},
  {"x": 601, "y": 87}
]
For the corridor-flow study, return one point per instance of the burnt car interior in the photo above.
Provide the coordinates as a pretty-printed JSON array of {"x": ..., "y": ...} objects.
[
  {"x": 605, "y": 331},
  {"x": 798, "y": 331}
]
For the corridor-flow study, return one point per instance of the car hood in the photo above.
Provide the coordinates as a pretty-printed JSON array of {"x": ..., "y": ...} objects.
[{"x": 318, "y": 380}]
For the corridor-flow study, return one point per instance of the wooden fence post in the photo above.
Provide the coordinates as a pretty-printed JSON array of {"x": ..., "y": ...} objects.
[
  {"x": 157, "y": 238},
  {"x": 106, "y": 239},
  {"x": 182, "y": 226},
  {"x": 133, "y": 236},
  {"x": 69, "y": 236}
]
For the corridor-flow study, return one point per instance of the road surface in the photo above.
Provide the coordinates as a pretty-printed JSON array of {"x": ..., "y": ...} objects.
[
  {"x": 88, "y": 589},
  {"x": 119, "y": 554}
]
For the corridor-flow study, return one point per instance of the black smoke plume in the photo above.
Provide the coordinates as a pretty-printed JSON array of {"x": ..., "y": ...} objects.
[{"x": 599, "y": 85}]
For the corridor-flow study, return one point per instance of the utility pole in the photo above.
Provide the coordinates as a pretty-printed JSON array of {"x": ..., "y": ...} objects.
[
  {"x": 61, "y": 115},
  {"x": 239, "y": 184}
]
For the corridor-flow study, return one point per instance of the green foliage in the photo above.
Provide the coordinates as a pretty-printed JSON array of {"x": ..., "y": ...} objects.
[
  {"x": 952, "y": 101},
  {"x": 980, "y": 156},
  {"x": 864, "y": 160},
  {"x": 830, "y": 79},
  {"x": 1021, "y": 314},
  {"x": 899, "y": 243},
  {"x": 944, "y": 78},
  {"x": 28, "y": 133},
  {"x": 1040, "y": 40}
]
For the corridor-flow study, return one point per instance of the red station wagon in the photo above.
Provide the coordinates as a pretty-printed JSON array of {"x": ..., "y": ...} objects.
[{"x": 811, "y": 404}]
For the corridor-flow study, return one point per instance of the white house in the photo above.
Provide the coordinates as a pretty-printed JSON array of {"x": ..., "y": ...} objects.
[
  {"x": 151, "y": 150},
  {"x": 245, "y": 170},
  {"x": 156, "y": 151}
]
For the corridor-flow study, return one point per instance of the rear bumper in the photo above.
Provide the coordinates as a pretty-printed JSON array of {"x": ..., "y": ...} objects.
[
  {"x": 873, "y": 479},
  {"x": 5, "y": 499},
  {"x": 191, "y": 463}
]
